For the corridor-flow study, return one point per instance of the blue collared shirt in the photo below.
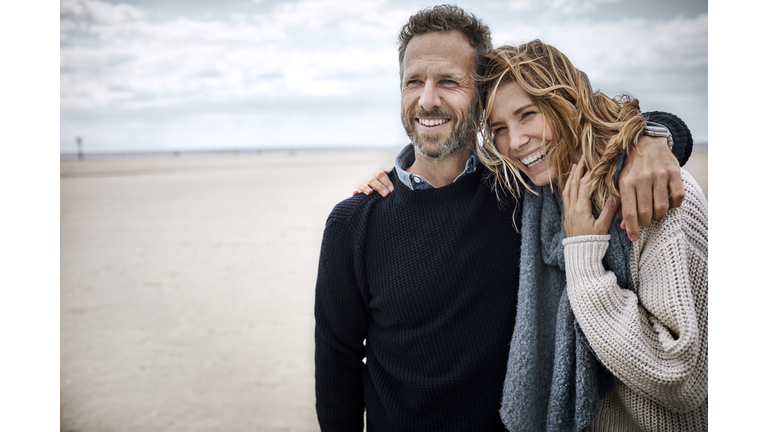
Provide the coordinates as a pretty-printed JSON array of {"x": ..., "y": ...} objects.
[{"x": 407, "y": 157}]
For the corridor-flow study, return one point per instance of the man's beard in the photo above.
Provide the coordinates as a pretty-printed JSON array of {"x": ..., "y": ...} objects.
[{"x": 429, "y": 145}]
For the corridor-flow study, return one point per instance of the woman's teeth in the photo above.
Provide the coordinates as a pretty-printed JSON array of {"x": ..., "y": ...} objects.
[
  {"x": 429, "y": 122},
  {"x": 533, "y": 159}
]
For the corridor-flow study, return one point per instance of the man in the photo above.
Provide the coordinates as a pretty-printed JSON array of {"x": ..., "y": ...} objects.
[{"x": 416, "y": 293}]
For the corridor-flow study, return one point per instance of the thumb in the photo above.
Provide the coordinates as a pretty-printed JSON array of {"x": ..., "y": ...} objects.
[{"x": 609, "y": 209}]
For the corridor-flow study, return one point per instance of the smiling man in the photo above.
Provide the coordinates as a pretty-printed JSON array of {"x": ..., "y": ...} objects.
[
  {"x": 437, "y": 95},
  {"x": 416, "y": 293}
]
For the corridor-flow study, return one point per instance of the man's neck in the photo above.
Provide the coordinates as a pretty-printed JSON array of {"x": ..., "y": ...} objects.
[{"x": 440, "y": 172}]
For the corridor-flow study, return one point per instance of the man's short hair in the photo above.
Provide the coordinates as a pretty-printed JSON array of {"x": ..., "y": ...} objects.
[{"x": 445, "y": 18}]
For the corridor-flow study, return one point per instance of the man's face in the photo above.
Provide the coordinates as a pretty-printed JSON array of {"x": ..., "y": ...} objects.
[{"x": 438, "y": 93}]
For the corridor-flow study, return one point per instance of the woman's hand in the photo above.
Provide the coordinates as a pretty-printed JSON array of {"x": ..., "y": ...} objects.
[
  {"x": 578, "y": 207},
  {"x": 379, "y": 182}
]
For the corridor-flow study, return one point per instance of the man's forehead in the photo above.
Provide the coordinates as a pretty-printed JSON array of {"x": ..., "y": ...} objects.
[{"x": 443, "y": 50}]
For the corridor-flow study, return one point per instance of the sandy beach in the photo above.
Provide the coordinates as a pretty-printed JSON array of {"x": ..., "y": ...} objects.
[{"x": 187, "y": 287}]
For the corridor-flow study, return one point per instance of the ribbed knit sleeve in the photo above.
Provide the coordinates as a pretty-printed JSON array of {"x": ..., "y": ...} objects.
[
  {"x": 653, "y": 338},
  {"x": 340, "y": 329}
]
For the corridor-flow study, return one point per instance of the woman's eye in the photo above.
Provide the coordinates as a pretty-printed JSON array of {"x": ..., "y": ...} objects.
[{"x": 528, "y": 113}]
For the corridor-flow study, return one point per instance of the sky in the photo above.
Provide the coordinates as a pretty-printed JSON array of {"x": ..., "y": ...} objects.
[{"x": 172, "y": 75}]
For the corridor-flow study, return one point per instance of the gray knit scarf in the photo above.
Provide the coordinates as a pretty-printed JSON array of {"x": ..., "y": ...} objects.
[{"x": 554, "y": 381}]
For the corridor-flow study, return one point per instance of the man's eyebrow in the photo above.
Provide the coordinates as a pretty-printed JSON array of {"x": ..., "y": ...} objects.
[
  {"x": 447, "y": 75},
  {"x": 408, "y": 78}
]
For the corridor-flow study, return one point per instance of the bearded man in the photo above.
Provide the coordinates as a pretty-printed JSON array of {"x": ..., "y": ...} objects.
[{"x": 416, "y": 293}]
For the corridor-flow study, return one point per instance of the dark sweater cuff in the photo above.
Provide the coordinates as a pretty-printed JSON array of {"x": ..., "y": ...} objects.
[{"x": 681, "y": 135}]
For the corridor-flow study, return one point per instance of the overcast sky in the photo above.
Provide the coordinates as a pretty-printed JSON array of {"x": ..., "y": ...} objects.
[{"x": 235, "y": 74}]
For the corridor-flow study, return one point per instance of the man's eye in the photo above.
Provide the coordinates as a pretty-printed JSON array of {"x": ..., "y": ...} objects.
[{"x": 450, "y": 82}]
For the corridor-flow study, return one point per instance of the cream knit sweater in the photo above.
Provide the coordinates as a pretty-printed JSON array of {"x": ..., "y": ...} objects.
[{"x": 653, "y": 338}]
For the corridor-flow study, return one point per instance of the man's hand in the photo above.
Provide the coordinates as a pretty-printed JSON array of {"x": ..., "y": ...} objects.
[
  {"x": 379, "y": 182},
  {"x": 650, "y": 184}
]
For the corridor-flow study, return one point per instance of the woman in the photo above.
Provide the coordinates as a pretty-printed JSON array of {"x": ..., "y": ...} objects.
[{"x": 612, "y": 335}]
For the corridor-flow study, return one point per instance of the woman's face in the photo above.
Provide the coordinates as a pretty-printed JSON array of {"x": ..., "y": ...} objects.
[{"x": 519, "y": 131}]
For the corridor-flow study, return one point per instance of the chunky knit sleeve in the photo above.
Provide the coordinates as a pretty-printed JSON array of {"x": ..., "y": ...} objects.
[
  {"x": 653, "y": 338},
  {"x": 340, "y": 329}
]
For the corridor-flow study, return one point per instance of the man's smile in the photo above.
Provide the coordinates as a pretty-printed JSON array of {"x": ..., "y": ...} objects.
[{"x": 432, "y": 122}]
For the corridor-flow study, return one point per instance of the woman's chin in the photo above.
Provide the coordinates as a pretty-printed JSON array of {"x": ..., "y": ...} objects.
[
  {"x": 539, "y": 178},
  {"x": 539, "y": 174}
]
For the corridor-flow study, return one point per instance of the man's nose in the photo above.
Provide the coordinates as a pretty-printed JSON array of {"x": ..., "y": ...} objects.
[{"x": 430, "y": 98}]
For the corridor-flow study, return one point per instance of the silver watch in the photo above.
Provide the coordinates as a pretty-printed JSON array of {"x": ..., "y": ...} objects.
[{"x": 659, "y": 131}]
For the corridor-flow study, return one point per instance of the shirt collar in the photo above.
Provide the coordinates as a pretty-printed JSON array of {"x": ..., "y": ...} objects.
[{"x": 407, "y": 157}]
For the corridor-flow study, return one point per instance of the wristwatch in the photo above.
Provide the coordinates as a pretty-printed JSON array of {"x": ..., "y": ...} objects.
[{"x": 657, "y": 130}]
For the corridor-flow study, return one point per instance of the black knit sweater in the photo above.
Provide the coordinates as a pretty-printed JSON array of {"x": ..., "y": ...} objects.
[{"x": 415, "y": 304}]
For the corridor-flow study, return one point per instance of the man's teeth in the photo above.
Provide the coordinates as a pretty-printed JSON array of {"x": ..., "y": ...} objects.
[
  {"x": 533, "y": 159},
  {"x": 430, "y": 122}
]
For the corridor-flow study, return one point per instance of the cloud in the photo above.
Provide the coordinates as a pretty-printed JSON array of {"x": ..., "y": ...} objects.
[
  {"x": 94, "y": 11},
  {"x": 327, "y": 65},
  {"x": 613, "y": 48},
  {"x": 112, "y": 56},
  {"x": 558, "y": 6}
]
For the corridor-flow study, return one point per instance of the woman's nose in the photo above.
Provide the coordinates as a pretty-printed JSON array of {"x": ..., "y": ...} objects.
[{"x": 517, "y": 138}]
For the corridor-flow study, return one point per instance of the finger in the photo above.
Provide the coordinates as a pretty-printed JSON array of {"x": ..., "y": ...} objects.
[
  {"x": 355, "y": 192},
  {"x": 364, "y": 188},
  {"x": 575, "y": 186},
  {"x": 583, "y": 189},
  {"x": 644, "y": 197},
  {"x": 378, "y": 185},
  {"x": 629, "y": 213},
  {"x": 609, "y": 210},
  {"x": 567, "y": 189},
  {"x": 383, "y": 178},
  {"x": 660, "y": 198},
  {"x": 676, "y": 190}
]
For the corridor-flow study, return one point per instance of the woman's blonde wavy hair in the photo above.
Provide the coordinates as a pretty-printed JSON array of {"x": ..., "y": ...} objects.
[{"x": 582, "y": 121}]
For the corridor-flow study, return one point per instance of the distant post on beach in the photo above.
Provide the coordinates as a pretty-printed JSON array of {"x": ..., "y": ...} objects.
[{"x": 79, "y": 148}]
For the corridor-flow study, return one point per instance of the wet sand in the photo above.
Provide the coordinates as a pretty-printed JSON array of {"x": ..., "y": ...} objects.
[{"x": 187, "y": 287}]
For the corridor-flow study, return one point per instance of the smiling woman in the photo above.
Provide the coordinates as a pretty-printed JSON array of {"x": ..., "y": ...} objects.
[
  {"x": 547, "y": 117},
  {"x": 616, "y": 329},
  {"x": 520, "y": 132}
]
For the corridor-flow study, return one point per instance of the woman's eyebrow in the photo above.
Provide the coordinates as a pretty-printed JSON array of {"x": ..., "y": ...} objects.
[{"x": 517, "y": 111}]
